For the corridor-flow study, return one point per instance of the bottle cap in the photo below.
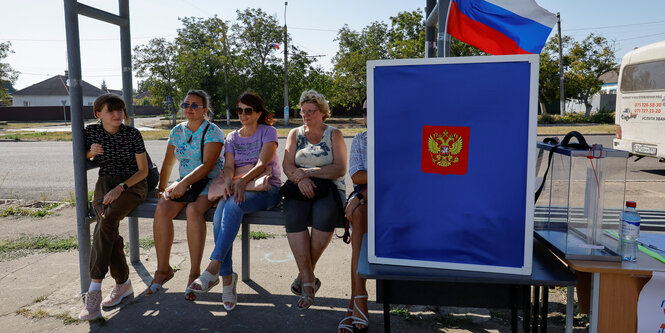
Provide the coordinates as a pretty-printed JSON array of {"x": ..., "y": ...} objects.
[{"x": 631, "y": 204}]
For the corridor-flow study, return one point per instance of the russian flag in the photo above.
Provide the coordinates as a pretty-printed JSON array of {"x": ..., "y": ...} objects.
[{"x": 500, "y": 26}]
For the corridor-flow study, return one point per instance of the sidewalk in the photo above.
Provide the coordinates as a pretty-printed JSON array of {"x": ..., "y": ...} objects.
[{"x": 40, "y": 291}]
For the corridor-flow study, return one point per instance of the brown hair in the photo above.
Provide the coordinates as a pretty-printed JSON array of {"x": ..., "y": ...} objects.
[
  {"x": 113, "y": 102},
  {"x": 204, "y": 97},
  {"x": 256, "y": 102}
]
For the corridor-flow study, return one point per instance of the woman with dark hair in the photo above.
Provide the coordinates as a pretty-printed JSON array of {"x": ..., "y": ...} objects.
[
  {"x": 253, "y": 148},
  {"x": 185, "y": 143},
  {"x": 121, "y": 186}
]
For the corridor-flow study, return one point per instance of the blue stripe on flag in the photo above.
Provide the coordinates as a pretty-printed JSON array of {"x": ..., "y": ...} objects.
[{"x": 528, "y": 34}]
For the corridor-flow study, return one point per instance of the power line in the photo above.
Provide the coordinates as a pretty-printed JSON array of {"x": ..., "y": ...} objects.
[
  {"x": 638, "y": 37},
  {"x": 83, "y": 40},
  {"x": 615, "y": 26}
]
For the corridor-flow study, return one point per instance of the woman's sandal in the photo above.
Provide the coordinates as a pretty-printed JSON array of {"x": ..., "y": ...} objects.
[
  {"x": 305, "y": 296},
  {"x": 357, "y": 320},
  {"x": 230, "y": 294},
  {"x": 204, "y": 282},
  {"x": 189, "y": 291},
  {"x": 342, "y": 325},
  {"x": 296, "y": 286},
  {"x": 156, "y": 287}
]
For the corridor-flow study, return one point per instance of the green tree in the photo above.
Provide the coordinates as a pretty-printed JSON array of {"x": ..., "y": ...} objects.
[
  {"x": 549, "y": 80},
  {"x": 406, "y": 37},
  {"x": 104, "y": 88},
  {"x": 459, "y": 48},
  {"x": 155, "y": 62},
  {"x": 349, "y": 64},
  {"x": 7, "y": 75},
  {"x": 588, "y": 60}
]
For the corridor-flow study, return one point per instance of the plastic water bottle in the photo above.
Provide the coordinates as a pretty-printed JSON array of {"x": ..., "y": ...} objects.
[{"x": 630, "y": 231}]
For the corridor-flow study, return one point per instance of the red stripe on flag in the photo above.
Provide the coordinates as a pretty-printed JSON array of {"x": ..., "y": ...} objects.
[{"x": 479, "y": 35}]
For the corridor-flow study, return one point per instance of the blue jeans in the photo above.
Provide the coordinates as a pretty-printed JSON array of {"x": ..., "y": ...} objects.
[{"x": 228, "y": 217}]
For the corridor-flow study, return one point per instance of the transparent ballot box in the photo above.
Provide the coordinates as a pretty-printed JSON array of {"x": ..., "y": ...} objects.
[{"x": 579, "y": 207}]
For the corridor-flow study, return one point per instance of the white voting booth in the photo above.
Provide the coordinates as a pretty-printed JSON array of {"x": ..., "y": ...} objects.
[{"x": 451, "y": 153}]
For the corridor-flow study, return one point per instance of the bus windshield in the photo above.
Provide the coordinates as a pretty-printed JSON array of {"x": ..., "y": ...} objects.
[{"x": 643, "y": 77}]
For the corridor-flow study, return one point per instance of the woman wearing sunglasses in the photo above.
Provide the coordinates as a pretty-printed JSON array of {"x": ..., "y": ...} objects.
[
  {"x": 185, "y": 143},
  {"x": 253, "y": 147},
  {"x": 313, "y": 152}
]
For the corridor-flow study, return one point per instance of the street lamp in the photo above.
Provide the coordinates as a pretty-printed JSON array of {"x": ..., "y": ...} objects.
[
  {"x": 64, "y": 110},
  {"x": 286, "y": 71}
]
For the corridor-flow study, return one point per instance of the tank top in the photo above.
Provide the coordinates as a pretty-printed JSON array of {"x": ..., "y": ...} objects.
[{"x": 310, "y": 155}]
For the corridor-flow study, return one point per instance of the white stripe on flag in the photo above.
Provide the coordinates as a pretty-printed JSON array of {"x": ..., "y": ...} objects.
[{"x": 527, "y": 9}]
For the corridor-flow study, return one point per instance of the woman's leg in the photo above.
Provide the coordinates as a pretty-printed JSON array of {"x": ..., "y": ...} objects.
[
  {"x": 358, "y": 284},
  {"x": 162, "y": 229},
  {"x": 296, "y": 214},
  {"x": 196, "y": 234}
]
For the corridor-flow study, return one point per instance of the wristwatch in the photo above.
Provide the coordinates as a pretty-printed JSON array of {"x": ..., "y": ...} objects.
[
  {"x": 360, "y": 196},
  {"x": 124, "y": 186}
]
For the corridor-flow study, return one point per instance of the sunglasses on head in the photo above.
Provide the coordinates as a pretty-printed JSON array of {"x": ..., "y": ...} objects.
[
  {"x": 247, "y": 111},
  {"x": 192, "y": 106}
]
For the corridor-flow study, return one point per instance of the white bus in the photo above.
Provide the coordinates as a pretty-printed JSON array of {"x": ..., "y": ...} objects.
[{"x": 640, "y": 110}]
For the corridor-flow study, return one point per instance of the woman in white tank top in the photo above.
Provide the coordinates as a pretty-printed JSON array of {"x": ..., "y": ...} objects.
[{"x": 314, "y": 150}]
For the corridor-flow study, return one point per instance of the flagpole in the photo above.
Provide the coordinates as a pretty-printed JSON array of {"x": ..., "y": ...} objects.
[
  {"x": 443, "y": 41},
  {"x": 562, "y": 99}
]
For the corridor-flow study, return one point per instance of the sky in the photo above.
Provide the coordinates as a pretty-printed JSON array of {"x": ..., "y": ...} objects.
[{"x": 36, "y": 28}]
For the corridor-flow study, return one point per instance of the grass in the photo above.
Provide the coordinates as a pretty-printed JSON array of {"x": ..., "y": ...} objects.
[
  {"x": 582, "y": 128},
  {"x": 452, "y": 321},
  {"x": 47, "y": 243},
  {"x": 144, "y": 243},
  {"x": 348, "y": 126},
  {"x": 67, "y": 319},
  {"x": 403, "y": 313},
  {"x": 32, "y": 212},
  {"x": 260, "y": 235}
]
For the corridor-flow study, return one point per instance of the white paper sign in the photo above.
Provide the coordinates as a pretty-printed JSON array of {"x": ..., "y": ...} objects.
[{"x": 651, "y": 305}]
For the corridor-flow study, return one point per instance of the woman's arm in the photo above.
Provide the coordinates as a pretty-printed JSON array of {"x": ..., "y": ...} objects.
[
  {"x": 292, "y": 172},
  {"x": 142, "y": 163},
  {"x": 165, "y": 171},
  {"x": 359, "y": 177},
  {"x": 211, "y": 153},
  {"x": 338, "y": 168},
  {"x": 266, "y": 155}
]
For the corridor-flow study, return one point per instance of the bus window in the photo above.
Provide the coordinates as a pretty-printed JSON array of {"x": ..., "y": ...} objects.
[{"x": 644, "y": 77}]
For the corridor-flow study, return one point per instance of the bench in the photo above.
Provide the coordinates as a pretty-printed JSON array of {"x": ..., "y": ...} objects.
[{"x": 147, "y": 210}]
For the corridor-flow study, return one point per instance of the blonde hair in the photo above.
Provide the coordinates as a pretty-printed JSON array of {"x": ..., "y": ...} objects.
[{"x": 312, "y": 96}]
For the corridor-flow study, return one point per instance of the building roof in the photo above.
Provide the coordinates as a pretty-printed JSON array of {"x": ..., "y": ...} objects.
[
  {"x": 611, "y": 76},
  {"x": 56, "y": 86}
]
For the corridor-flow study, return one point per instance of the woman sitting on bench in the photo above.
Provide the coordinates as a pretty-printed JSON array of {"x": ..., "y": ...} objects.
[
  {"x": 356, "y": 211},
  {"x": 314, "y": 152},
  {"x": 121, "y": 186},
  {"x": 196, "y": 144},
  {"x": 250, "y": 158}
]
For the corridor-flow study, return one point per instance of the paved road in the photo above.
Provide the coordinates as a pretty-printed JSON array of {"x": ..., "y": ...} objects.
[{"x": 44, "y": 170}]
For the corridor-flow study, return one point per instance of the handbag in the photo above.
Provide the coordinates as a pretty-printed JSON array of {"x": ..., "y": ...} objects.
[
  {"x": 260, "y": 183},
  {"x": 195, "y": 189},
  {"x": 153, "y": 174},
  {"x": 290, "y": 190}
]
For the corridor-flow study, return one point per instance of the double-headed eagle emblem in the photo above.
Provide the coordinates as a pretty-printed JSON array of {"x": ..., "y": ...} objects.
[{"x": 444, "y": 147}]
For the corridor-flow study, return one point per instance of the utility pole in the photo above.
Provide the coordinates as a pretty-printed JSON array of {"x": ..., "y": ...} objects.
[
  {"x": 286, "y": 71},
  {"x": 562, "y": 100}
]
